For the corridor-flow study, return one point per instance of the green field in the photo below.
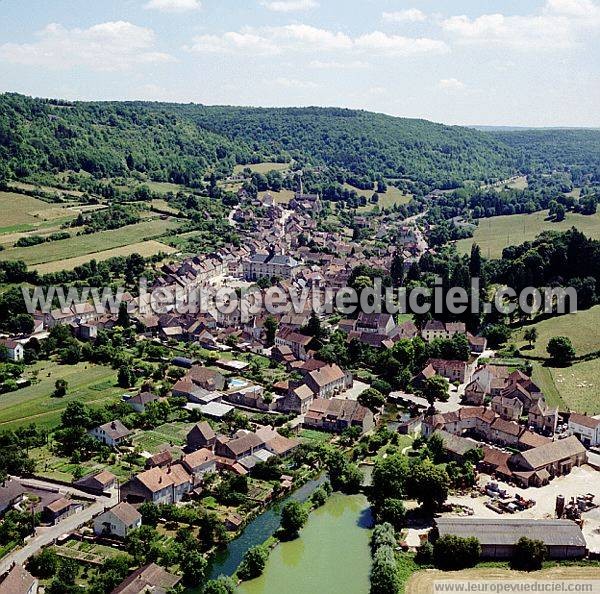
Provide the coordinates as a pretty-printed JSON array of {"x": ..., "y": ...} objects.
[
  {"x": 583, "y": 328},
  {"x": 143, "y": 248},
  {"x": 579, "y": 386},
  {"x": 262, "y": 167},
  {"x": 496, "y": 233},
  {"x": 89, "y": 244},
  {"x": 575, "y": 387},
  {"x": 93, "y": 384},
  {"x": 22, "y": 210},
  {"x": 392, "y": 196},
  {"x": 169, "y": 434}
]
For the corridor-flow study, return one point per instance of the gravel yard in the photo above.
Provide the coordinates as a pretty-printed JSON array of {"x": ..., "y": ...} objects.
[{"x": 580, "y": 481}]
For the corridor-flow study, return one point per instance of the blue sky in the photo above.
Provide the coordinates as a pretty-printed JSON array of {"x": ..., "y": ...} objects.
[{"x": 527, "y": 62}]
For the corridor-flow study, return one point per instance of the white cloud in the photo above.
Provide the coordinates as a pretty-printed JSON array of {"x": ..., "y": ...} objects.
[
  {"x": 583, "y": 9},
  {"x": 173, "y": 5},
  {"x": 299, "y": 37},
  {"x": 307, "y": 37},
  {"x": 292, "y": 83},
  {"x": 233, "y": 42},
  {"x": 106, "y": 47},
  {"x": 338, "y": 65},
  {"x": 451, "y": 84},
  {"x": 289, "y": 5},
  {"x": 410, "y": 15},
  {"x": 398, "y": 45},
  {"x": 557, "y": 25}
]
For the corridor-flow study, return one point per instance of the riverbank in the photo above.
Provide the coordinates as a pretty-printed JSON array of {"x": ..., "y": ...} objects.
[
  {"x": 258, "y": 530},
  {"x": 331, "y": 555}
]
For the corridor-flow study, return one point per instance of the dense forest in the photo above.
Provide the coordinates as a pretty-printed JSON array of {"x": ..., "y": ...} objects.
[
  {"x": 185, "y": 143},
  {"x": 577, "y": 151}
]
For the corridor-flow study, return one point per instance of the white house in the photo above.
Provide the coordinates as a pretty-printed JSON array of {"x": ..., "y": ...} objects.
[
  {"x": 586, "y": 429},
  {"x": 118, "y": 521},
  {"x": 14, "y": 349},
  {"x": 112, "y": 434}
]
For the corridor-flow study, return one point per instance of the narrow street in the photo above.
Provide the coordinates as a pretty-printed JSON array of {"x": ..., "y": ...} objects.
[{"x": 46, "y": 535}]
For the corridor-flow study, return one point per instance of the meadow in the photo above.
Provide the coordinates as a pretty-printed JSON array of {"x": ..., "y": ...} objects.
[
  {"x": 583, "y": 328},
  {"x": 89, "y": 244},
  {"x": 574, "y": 387},
  {"x": 26, "y": 211},
  {"x": 424, "y": 581},
  {"x": 143, "y": 248},
  {"x": 89, "y": 383},
  {"x": 262, "y": 167},
  {"x": 391, "y": 197},
  {"x": 496, "y": 233}
]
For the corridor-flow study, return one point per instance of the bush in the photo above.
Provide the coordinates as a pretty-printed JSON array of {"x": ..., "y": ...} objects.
[
  {"x": 394, "y": 512},
  {"x": 529, "y": 555},
  {"x": 253, "y": 563},
  {"x": 424, "y": 554},
  {"x": 453, "y": 552},
  {"x": 384, "y": 572},
  {"x": 293, "y": 518}
]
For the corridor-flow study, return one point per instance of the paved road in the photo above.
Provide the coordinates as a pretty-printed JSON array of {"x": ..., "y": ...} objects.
[{"x": 46, "y": 535}]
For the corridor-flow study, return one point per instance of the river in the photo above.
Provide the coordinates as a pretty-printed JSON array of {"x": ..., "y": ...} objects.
[
  {"x": 225, "y": 562},
  {"x": 330, "y": 556}
]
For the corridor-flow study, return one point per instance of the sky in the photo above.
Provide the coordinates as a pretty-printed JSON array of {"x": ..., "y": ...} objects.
[{"x": 469, "y": 62}]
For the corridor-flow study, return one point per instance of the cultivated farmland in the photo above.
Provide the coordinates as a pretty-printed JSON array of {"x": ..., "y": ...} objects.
[
  {"x": 93, "y": 384},
  {"x": 89, "y": 244},
  {"x": 496, "y": 233},
  {"x": 143, "y": 248}
]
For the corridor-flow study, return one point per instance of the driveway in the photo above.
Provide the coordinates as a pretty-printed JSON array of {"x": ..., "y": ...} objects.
[
  {"x": 354, "y": 392},
  {"x": 46, "y": 535}
]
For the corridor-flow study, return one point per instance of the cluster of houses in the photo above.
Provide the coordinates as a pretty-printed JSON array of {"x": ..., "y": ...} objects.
[
  {"x": 166, "y": 480},
  {"x": 509, "y": 419}
]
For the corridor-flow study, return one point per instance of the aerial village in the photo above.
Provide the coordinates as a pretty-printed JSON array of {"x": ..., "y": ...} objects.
[{"x": 240, "y": 413}]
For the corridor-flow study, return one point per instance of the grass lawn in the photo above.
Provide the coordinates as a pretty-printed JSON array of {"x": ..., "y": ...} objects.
[
  {"x": 392, "y": 196},
  {"x": 53, "y": 467},
  {"x": 315, "y": 437},
  {"x": 579, "y": 385},
  {"x": 542, "y": 376},
  {"x": 143, "y": 248},
  {"x": 89, "y": 244},
  {"x": 164, "y": 187},
  {"x": 164, "y": 206},
  {"x": 520, "y": 183},
  {"x": 92, "y": 384},
  {"x": 583, "y": 328},
  {"x": 262, "y": 167},
  {"x": 496, "y": 233},
  {"x": 169, "y": 434}
]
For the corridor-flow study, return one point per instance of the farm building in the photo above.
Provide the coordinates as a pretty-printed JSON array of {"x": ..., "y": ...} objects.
[{"x": 498, "y": 538}]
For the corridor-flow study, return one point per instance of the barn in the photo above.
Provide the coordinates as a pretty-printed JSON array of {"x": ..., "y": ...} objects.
[{"x": 498, "y": 537}]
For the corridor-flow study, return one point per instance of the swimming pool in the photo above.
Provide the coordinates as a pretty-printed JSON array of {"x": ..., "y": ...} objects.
[{"x": 236, "y": 382}]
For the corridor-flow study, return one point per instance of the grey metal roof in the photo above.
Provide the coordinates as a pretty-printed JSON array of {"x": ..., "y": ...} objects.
[{"x": 507, "y": 531}]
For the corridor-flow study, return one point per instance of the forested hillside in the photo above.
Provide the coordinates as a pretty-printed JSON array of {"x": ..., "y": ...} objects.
[
  {"x": 179, "y": 143},
  {"x": 366, "y": 143},
  {"x": 184, "y": 143},
  {"x": 577, "y": 151},
  {"x": 107, "y": 139}
]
